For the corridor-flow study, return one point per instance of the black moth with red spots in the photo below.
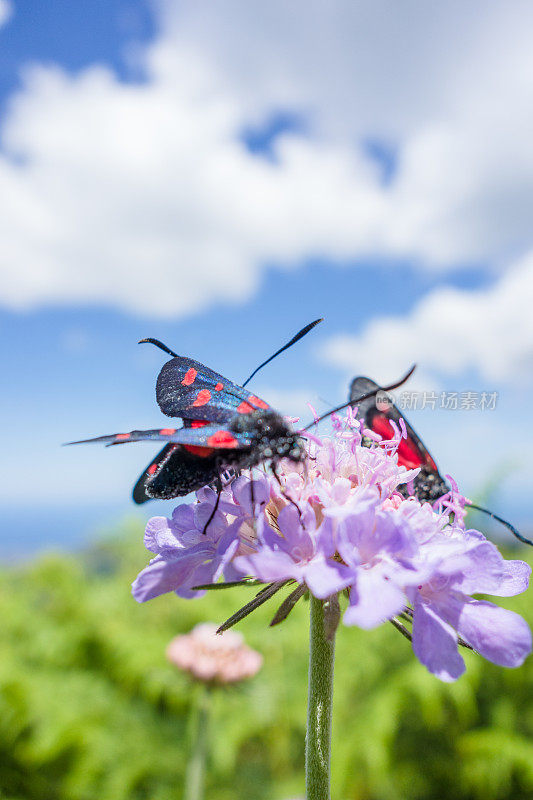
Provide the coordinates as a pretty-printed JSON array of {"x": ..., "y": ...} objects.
[
  {"x": 224, "y": 426},
  {"x": 429, "y": 485}
]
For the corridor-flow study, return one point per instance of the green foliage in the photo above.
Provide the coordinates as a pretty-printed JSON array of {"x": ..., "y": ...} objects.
[{"x": 90, "y": 709}]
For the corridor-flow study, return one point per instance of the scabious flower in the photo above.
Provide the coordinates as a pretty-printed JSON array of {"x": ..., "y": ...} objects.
[
  {"x": 212, "y": 658},
  {"x": 185, "y": 556},
  {"x": 338, "y": 525}
]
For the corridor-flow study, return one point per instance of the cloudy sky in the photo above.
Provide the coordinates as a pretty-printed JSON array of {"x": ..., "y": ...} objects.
[{"x": 217, "y": 175}]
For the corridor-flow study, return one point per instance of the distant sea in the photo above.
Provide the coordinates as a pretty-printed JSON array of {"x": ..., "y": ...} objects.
[{"x": 28, "y": 530}]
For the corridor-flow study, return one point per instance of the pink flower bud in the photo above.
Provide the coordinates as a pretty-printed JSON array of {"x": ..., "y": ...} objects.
[{"x": 214, "y": 658}]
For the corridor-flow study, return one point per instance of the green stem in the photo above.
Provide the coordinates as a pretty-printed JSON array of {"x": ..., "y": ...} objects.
[
  {"x": 319, "y": 705},
  {"x": 194, "y": 778}
]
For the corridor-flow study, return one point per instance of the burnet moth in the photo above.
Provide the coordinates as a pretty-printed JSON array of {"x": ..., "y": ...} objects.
[
  {"x": 224, "y": 427},
  {"x": 377, "y": 413}
]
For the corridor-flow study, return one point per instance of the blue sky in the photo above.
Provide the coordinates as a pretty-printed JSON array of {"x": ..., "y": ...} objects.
[{"x": 217, "y": 178}]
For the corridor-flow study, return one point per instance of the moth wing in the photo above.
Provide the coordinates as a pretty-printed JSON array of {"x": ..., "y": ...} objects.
[
  {"x": 175, "y": 472},
  {"x": 209, "y": 436},
  {"x": 412, "y": 452},
  {"x": 186, "y": 388}
]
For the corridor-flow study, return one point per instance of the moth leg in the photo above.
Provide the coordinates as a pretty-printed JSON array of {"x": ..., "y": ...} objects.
[
  {"x": 252, "y": 492},
  {"x": 215, "y": 507},
  {"x": 229, "y": 475}
]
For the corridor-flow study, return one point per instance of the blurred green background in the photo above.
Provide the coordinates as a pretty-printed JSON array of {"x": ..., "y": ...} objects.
[{"x": 91, "y": 710}]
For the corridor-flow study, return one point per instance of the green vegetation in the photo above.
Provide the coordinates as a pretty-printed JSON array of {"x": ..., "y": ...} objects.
[{"x": 90, "y": 709}]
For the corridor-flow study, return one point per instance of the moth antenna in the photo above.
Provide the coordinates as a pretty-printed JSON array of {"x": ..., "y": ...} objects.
[
  {"x": 360, "y": 399},
  {"x": 161, "y": 346},
  {"x": 215, "y": 507},
  {"x": 294, "y": 339},
  {"x": 503, "y": 522}
]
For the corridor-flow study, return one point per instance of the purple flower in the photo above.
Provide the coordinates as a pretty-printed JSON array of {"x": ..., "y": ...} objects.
[
  {"x": 444, "y": 609},
  {"x": 296, "y": 549},
  {"x": 185, "y": 555},
  {"x": 337, "y": 525},
  {"x": 379, "y": 547}
]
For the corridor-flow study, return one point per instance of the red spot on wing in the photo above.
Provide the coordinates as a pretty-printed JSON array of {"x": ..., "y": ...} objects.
[
  {"x": 203, "y": 397},
  {"x": 121, "y": 437},
  {"x": 222, "y": 439},
  {"x": 189, "y": 377},
  {"x": 409, "y": 454},
  {"x": 151, "y": 469},
  {"x": 197, "y": 450},
  {"x": 381, "y": 425},
  {"x": 219, "y": 387},
  {"x": 167, "y": 431},
  {"x": 244, "y": 408},
  {"x": 257, "y": 402}
]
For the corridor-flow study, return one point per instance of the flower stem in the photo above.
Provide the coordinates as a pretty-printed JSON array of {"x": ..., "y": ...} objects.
[
  {"x": 319, "y": 705},
  {"x": 194, "y": 778}
]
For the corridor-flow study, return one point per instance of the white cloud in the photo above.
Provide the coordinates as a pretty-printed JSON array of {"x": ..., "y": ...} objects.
[
  {"x": 6, "y": 11},
  {"x": 454, "y": 97},
  {"x": 142, "y": 197},
  {"x": 449, "y": 332}
]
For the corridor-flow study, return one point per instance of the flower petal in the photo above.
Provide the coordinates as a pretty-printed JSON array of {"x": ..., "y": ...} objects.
[
  {"x": 435, "y": 644},
  {"x": 295, "y": 539},
  {"x": 498, "y": 634},
  {"x": 243, "y": 491},
  {"x": 480, "y": 569},
  {"x": 217, "y": 526},
  {"x": 373, "y": 599},
  {"x": 268, "y": 565},
  {"x": 325, "y": 577},
  {"x": 515, "y": 579},
  {"x": 162, "y": 576},
  {"x": 159, "y": 536},
  {"x": 183, "y": 517}
]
